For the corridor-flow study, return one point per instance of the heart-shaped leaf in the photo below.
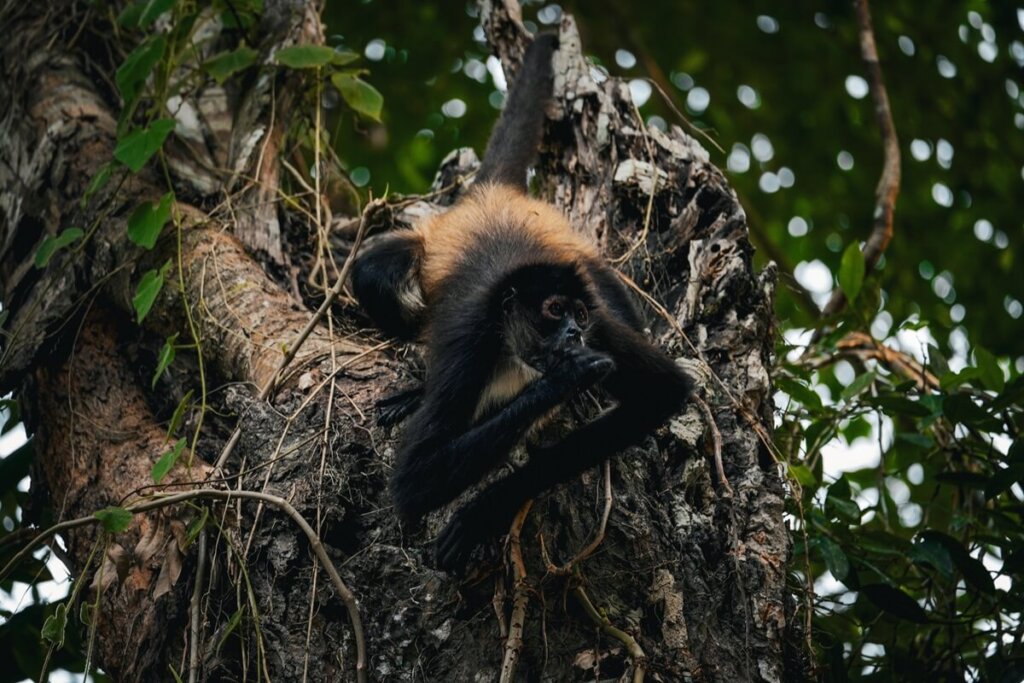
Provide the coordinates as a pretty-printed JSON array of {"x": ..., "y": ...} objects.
[
  {"x": 145, "y": 294},
  {"x": 139, "y": 146},
  {"x": 223, "y": 65},
  {"x": 146, "y": 222},
  {"x": 167, "y": 461},
  {"x": 138, "y": 65},
  {"x": 114, "y": 519},
  {"x": 52, "y": 245}
]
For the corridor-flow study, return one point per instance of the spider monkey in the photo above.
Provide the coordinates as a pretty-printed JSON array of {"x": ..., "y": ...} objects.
[{"x": 518, "y": 314}]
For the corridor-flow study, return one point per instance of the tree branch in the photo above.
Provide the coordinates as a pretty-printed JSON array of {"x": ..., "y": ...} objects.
[{"x": 888, "y": 187}]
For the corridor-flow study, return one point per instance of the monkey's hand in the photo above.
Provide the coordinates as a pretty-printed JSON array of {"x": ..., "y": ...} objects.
[
  {"x": 396, "y": 407},
  {"x": 475, "y": 523},
  {"x": 579, "y": 367}
]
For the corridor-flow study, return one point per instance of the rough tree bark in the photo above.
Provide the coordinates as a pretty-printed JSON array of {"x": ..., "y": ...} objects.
[{"x": 689, "y": 578}]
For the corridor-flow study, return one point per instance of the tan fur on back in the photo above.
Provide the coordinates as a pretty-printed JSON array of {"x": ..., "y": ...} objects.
[{"x": 446, "y": 236}]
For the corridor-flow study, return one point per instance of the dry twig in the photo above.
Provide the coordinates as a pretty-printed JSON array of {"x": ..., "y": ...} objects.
[{"x": 514, "y": 642}]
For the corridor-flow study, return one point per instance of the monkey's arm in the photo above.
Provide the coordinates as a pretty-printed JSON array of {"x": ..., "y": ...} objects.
[
  {"x": 434, "y": 467},
  {"x": 650, "y": 388},
  {"x": 385, "y": 281}
]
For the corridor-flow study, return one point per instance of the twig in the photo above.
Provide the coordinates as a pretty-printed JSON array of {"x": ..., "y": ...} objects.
[
  {"x": 865, "y": 347},
  {"x": 636, "y": 653},
  {"x": 311, "y": 324},
  {"x": 642, "y": 237},
  {"x": 716, "y": 443},
  {"x": 888, "y": 187},
  {"x": 498, "y": 602},
  {"x": 762, "y": 434},
  {"x": 514, "y": 642},
  {"x": 195, "y": 625},
  {"x": 346, "y": 595},
  {"x": 598, "y": 539},
  {"x": 301, "y": 337}
]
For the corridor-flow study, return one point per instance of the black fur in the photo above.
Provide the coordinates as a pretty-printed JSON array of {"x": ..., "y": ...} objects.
[
  {"x": 398, "y": 406},
  {"x": 443, "y": 452},
  {"x": 649, "y": 388},
  {"x": 493, "y": 312},
  {"x": 514, "y": 140},
  {"x": 384, "y": 269}
]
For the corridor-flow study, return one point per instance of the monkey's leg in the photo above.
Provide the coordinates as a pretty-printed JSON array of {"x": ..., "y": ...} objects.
[
  {"x": 434, "y": 468},
  {"x": 385, "y": 279},
  {"x": 650, "y": 388}
]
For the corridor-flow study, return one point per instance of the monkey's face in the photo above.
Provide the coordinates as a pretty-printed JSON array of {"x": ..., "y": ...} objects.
[{"x": 540, "y": 329}]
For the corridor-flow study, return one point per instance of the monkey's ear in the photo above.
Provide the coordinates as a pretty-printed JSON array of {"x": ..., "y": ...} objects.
[{"x": 508, "y": 299}]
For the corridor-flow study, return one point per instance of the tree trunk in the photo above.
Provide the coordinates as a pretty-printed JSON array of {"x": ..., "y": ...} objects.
[{"x": 688, "y": 580}]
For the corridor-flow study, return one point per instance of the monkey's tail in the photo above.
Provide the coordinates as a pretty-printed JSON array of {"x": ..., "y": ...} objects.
[{"x": 516, "y": 136}]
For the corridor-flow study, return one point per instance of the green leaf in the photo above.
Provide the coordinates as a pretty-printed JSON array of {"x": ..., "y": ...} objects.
[
  {"x": 98, "y": 182},
  {"x": 129, "y": 16},
  {"x": 138, "y": 65},
  {"x": 962, "y": 408},
  {"x": 1013, "y": 393},
  {"x": 799, "y": 391},
  {"x": 1003, "y": 479},
  {"x": 223, "y": 65},
  {"x": 360, "y": 95},
  {"x": 915, "y": 439},
  {"x": 232, "y": 624},
  {"x": 897, "y": 405},
  {"x": 895, "y": 602},
  {"x": 179, "y": 413},
  {"x": 53, "y": 627},
  {"x": 857, "y": 385},
  {"x": 991, "y": 373},
  {"x": 929, "y": 551},
  {"x": 114, "y": 519},
  {"x": 844, "y": 508},
  {"x": 835, "y": 558},
  {"x": 306, "y": 56},
  {"x": 851, "y": 271},
  {"x": 973, "y": 570},
  {"x": 164, "y": 358},
  {"x": 167, "y": 461},
  {"x": 152, "y": 10},
  {"x": 803, "y": 475},
  {"x": 51, "y": 245},
  {"x": 145, "y": 294},
  {"x": 138, "y": 147},
  {"x": 146, "y": 222},
  {"x": 85, "y": 613},
  {"x": 951, "y": 380},
  {"x": 195, "y": 526}
]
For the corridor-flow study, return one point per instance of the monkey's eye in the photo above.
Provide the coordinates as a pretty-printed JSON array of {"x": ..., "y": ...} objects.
[
  {"x": 553, "y": 309},
  {"x": 581, "y": 314}
]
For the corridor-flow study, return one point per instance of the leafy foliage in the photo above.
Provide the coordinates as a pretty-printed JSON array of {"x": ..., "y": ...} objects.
[
  {"x": 148, "y": 219},
  {"x": 114, "y": 519},
  {"x": 136, "y": 148},
  {"x": 52, "y": 245},
  {"x": 148, "y": 289}
]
